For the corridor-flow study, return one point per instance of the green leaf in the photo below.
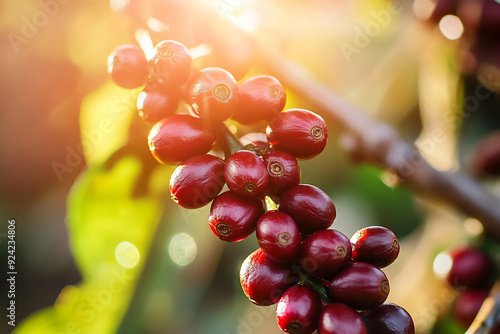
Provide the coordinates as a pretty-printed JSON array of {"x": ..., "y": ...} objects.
[
  {"x": 113, "y": 213},
  {"x": 105, "y": 118}
]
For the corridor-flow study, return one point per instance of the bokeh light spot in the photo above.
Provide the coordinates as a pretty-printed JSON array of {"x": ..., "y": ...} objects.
[
  {"x": 182, "y": 249},
  {"x": 442, "y": 264},
  {"x": 127, "y": 255},
  {"x": 451, "y": 27}
]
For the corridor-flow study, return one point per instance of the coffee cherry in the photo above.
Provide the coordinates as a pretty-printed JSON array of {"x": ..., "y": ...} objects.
[
  {"x": 179, "y": 137},
  {"x": 298, "y": 310},
  {"x": 127, "y": 66},
  {"x": 485, "y": 160},
  {"x": 246, "y": 174},
  {"x": 464, "y": 267},
  {"x": 388, "y": 318},
  {"x": 213, "y": 94},
  {"x": 337, "y": 318},
  {"x": 376, "y": 245},
  {"x": 197, "y": 181},
  {"x": 261, "y": 98},
  {"x": 467, "y": 305},
  {"x": 299, "y": 132},
  {"x": 310, "y": 207},
  {"x": 264, "y": 281},
  {"x": 325, "y": 252},
  {"x": 233, "y": 217},
  {"x": 255, "y": 142},
  {"x": 489, "y": 23},
  {"x": 360, "y": 285},
  {"x": 171, "y": 63},
  {"x": 278, "y": 236},
  {"x": 283, "y": 170},
  {"x": 157, "y": 102}
]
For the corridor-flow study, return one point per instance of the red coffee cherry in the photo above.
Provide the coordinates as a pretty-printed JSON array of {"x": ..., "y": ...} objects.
[
  {"x": 179, "y": 137},
  {"x": 233, "y": 217},
  {"x": 376, "y": 245},
  {"x": 128, "y": 66},
  {"x": 299, "y": 132},
  {"x": 157, "y": 102},
  {"x": 310, "y": 207},
  {"x": 464, "y": 267},
  {"x": 255, "y": 142},
  {"x": 485, "y": 160},
  {"x": 171, "y": 64},
  {"x": 324, "y": 253},
  {"x": 278, "y": 236},
  {"x": 388, "y": 318},
  {"x": 337, "y": 318},
  {"x": 246, "y": 174},
  {"x": 467, "y": 305},
  {"x": 213, "y": 94},
  {"x": 298, "y": 310},
  {"x": 264, "y": 281},
  {"x": 489, "y": 24},
  {"x": 283, "y": 170},
  {"x": 261, "y": 98},
  {"x": 360, "y": 285},
  {"x": 197, "y": 181}
]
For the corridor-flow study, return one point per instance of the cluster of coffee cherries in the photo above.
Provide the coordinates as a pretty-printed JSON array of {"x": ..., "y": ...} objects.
[
  {"x": 469, "y": 270},
  {"x": 319, "y": 278}
]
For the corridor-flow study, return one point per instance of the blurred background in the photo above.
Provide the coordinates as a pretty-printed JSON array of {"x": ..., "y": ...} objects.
[{"x": 101, "y": 248}]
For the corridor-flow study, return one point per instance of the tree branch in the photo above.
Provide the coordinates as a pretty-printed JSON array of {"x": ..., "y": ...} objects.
[{"x": 366, "y": 139}]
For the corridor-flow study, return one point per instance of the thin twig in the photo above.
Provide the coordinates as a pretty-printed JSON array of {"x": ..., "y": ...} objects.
[{"x": 488, "y": 318}]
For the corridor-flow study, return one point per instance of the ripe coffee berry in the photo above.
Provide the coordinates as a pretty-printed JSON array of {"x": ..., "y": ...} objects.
[
  {"x": 233, "y": 217},
  {"x": 156, "y": 102},
  {"x": 255, "y": 142},
  {"x": 128, "y": 66},
  {"x": 465, "y": 267},
  {"x": 283, "y": 170},
  {"x": 213, "y": 94},
  {"x": 467, "y": 305},
  {"x": 298, "y": 310},
  {"x": 299, "y": 132},
  {"x": 197, "y": 181},
  {"x": 325, "y": 252},
  {"x": 171, "y": 64},
  {"x": 360, "y": 285},
  {"x": 388, "y": 318},
  {"x": 179, "y": 137},
  {"x": 338, "y": 318},
  {"x": 246, "y": 174},
  {"x": 264, "y": 281},
  {"x": 310, "y": 207},
  {"x": 278, "y": 236},
  {"x": 261, "y": 98},
  {"x": 376, "y": 245}
]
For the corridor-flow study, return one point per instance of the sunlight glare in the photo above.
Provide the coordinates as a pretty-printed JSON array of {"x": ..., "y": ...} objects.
[
  {"x": 182, "y": 249},
  {"x": 118, "y": 5},
  {"x": 127, "y": 255}
]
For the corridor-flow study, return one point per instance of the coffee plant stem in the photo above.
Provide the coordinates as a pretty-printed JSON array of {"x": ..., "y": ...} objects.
[
  {"x": 488, "y": 318},
  {"x": 230, "y": 143},
  {"x": 368, "y": 140}
]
